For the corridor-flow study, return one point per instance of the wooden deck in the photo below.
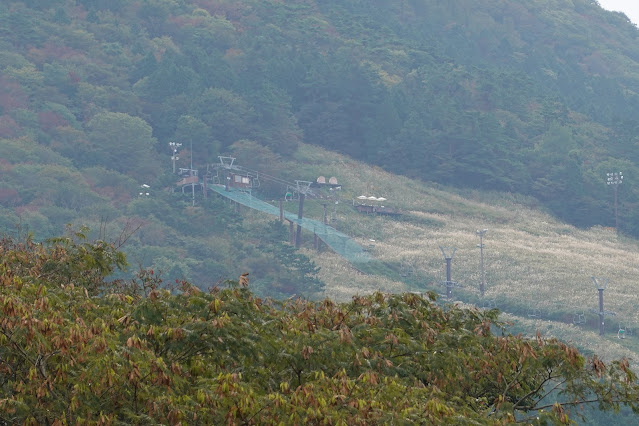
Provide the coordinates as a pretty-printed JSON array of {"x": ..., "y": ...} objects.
[{"x": 382, "y": 210}]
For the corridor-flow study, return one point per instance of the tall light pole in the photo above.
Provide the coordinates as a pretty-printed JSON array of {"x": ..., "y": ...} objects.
[
  {"x": 145, "y": 188},
  {"x": 192, "y": 182},
  {"x": 615, "y": 179},
  {"x": 174, "y": 147},
  {"x": 601, "y": 284},
  {"x": 448, "y": 253},
  {"x": 481, "y": 257}
]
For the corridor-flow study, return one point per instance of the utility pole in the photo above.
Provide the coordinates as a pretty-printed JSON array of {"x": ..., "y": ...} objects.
[
  {"x": 174, "y": 147},
  {"x": 615, "y": 179},
  {"x": 448, "y": 253},
  {"x": 601, "y": 284},
  {"x": 481, "y": 261}
]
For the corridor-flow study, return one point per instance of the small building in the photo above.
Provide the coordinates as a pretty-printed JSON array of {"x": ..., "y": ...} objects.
[
  {"x": 189, "y": 176},
  {"x": 188, "y": 180},
  {"x": 239, "y": 181}
]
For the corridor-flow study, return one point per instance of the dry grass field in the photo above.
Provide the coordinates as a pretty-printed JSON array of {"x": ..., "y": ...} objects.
[{"x": 537, "y": 269}]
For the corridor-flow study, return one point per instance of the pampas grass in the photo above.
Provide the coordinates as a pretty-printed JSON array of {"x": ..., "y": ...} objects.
[{"x": 531, "y": 260}]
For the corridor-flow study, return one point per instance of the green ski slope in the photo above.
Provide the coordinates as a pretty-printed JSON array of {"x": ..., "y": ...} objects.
[{"x": 339, "y": 242}]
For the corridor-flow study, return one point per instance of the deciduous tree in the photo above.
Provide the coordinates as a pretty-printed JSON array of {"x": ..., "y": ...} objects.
[{"x": 75, "y": 347}]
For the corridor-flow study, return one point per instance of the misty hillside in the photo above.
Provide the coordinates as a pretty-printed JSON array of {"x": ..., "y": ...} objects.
[
  {"x": 496, "y": 115},
  {"x": 538, "y": 98},
  {"x": 533, "y": 100}
]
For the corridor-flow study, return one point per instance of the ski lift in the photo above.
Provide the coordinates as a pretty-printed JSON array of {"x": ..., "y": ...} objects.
[
  {"x": 209, "y": 176},
  {"x": 303, "y": 186},
  {"x": 623, "y": 331},
  {"x": 289, "y": 195},
  {"x": 217, "y": 180},
  {"x": 226, "y": 162},
  {"x": 579, "y": 318}
]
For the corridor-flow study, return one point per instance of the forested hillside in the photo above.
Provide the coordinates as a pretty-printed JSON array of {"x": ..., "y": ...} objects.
[{"x": 536, "y": 97}]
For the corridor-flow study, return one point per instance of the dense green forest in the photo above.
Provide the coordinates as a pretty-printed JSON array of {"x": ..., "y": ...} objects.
[
  {"x": 76, "y": 348},
  {"x": 538, "y": 98}
]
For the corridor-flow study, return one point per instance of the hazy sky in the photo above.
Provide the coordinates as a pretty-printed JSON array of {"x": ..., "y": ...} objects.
[{"x": 629, "y": 7}]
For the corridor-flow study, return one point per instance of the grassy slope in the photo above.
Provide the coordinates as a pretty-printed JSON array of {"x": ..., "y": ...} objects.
[{"x": 531, "y": 260}]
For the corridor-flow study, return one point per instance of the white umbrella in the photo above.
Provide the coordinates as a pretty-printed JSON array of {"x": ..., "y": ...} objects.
[
  {"x": 372, "y": 198},
  {"x": 362, "y": 197},
  {"x": 381, "y": 199}
]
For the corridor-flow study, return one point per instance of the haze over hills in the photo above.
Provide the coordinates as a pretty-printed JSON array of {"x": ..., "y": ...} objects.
[
  {"x": 465, "y": 115},
  {"x": 497, "y": 114},
  {"x": 626, "y": 7}
]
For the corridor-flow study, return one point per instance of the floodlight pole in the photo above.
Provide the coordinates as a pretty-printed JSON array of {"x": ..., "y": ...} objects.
[
  {"x": 174, "y": 146},
  {"x": 601, "y": 284},
  {"x": 192, "y": 183},
  {"x": 481, "y": 261},
  {"x": 615, "y": 179},
  {"x": 448, "y": 253}
]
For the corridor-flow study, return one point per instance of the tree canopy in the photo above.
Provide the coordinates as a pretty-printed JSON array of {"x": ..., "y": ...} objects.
[{"x": 76, "y": 347}]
